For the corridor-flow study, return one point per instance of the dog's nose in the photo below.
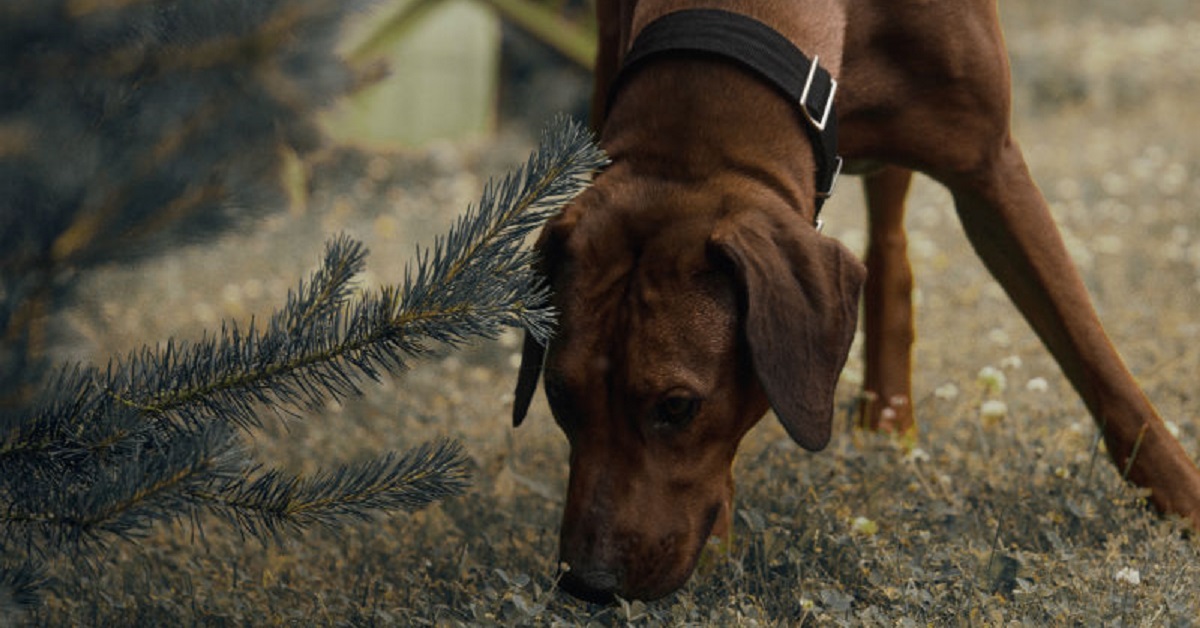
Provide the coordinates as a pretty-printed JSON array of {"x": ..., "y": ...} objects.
[{"x": 592, "y": 586}]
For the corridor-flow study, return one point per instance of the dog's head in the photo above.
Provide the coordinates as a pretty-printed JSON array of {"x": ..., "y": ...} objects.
[{"x": 683, "y": 315}]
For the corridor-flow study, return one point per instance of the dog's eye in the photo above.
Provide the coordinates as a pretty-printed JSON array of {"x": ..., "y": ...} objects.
[{"x": 676, "y": 410}]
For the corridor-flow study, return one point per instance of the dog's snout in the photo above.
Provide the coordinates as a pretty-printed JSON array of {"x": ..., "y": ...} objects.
[{"x": 596, "y": 586}]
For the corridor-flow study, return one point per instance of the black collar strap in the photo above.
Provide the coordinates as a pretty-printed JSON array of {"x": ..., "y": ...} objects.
[{"x": 760, "y": 48}]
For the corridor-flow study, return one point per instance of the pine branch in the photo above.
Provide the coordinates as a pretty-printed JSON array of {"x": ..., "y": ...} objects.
[
  {"x": 146, "y": 119},
  {"x": 19, "y": 586},
  {"x": 329, "y": 288},
  {"x": 104, "y": 454},
  {"x": 476, "y": 281},
  {"x": 91, "y": 498},
  {"x": 274, "y": 501},
  {"x": 70, "y": 419},
  {"x": 484, "y": 244}
]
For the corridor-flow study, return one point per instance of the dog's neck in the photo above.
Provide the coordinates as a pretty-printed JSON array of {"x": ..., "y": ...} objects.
[
  {"x": 711, "y": 120},
  {"x": 816, "y": 26}
]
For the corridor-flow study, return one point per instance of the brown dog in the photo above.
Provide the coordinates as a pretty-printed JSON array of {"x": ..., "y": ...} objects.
[{"x": 695, "y": 291}]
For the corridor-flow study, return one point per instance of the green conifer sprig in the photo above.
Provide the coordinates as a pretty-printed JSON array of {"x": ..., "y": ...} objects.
[
  {"x": 72, "y": 500},
  {"x": 476, "y": 282},
  {"x": 103, "y": 454},
  {"x": 267, "y": 504},
  {"x": 19, "y": 586},
  {"x": 495, "y": 230},
  {"x": 313, "y": 303}
]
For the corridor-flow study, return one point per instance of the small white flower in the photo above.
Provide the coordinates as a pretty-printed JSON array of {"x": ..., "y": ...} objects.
[
  {"x": 1037, "y": 385},
  {"x": 992, "y": 379},
  {"x": 1011, "y": 362},
  {"x": 916, "y": 455},
  {"x": 1129, "y": 575},
  {"x": 946, "y": 391},
  {"x": 864, "y": 526},
  {"x": 993, "y": 411},
  {"x": 999, "y": 337}
]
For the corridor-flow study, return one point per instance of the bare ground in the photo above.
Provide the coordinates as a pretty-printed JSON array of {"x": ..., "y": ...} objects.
[{"x": 1013, "y": 519}]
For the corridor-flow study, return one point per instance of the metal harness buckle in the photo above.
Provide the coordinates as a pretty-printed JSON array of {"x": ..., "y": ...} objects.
[
  {"x": 808, "y": 82},
  {"x": 837, "y": 170}
]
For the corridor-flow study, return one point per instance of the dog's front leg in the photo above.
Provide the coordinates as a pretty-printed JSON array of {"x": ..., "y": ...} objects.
[{"x": 887, "y": 307}]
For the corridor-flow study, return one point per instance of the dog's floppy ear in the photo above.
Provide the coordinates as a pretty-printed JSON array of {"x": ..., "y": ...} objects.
[
  {"x": 532, "y": 354},
  {"x": 549, "y": 248},
  {"x": 800, "y": 294}
]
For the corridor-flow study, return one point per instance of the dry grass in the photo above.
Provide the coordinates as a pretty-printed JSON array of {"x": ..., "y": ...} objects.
[{"x": 1017, "y": 519}]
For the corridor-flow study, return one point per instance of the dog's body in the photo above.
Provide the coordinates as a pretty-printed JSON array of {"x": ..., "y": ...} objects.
[{"x": 695, "y": 292}]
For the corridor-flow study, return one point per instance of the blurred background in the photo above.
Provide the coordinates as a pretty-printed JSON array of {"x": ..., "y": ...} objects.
[{"x": 453, "y": 69}]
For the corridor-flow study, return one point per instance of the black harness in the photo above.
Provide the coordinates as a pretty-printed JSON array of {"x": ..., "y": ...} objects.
[{"x": 762, "y": 49}]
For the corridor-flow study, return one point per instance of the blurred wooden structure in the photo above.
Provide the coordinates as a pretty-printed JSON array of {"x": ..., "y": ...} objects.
[
  {"x": 431, "y": 68},
  {"x": 441, "y": 61}
]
